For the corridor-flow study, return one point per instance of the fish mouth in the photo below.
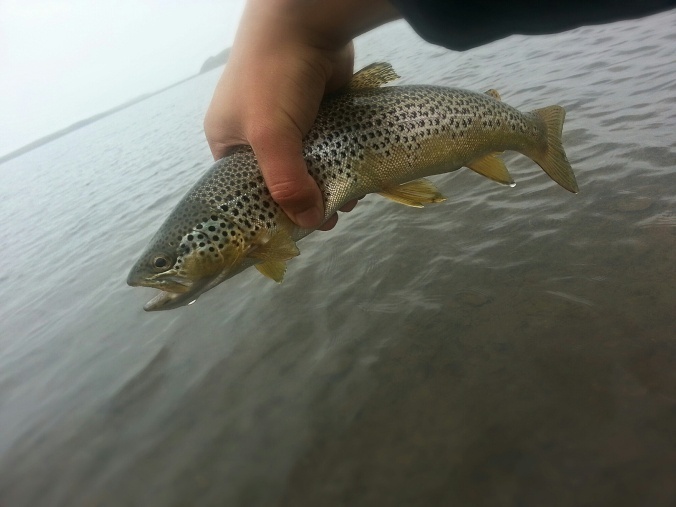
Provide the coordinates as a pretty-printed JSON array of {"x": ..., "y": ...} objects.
[
  {"x": 169, "y": 283},
  {"x": 175, "y": 291},
  {"x": 168, "y": 300}
]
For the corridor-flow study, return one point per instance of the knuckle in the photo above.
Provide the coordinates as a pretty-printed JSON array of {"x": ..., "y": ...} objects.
[
  {"x": 259, "y": 134},
  {"x": 264, "y": 136},
  {"x": 289, "y": 192}
]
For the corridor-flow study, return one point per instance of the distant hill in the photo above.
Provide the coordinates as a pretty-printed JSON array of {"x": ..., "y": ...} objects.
[
  {"x": 215, "y": 61},
  {"x": 71, "y": 128},
  {"x": 211, "y": 63}
]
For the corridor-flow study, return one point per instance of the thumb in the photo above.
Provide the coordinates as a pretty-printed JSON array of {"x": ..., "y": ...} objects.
[{"x": 280, "y": 156}]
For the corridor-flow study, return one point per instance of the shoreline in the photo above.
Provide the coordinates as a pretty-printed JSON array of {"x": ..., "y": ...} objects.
[
  {"x": 209, "y": 64},
  {"x": 87, "y": 121}
]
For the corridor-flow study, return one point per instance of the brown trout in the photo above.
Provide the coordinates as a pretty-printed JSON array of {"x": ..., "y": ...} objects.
[{"x": 366, "y": 139}]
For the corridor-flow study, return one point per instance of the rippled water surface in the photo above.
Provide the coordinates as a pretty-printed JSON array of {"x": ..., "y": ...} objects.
[{"x": 507, "y": 347}]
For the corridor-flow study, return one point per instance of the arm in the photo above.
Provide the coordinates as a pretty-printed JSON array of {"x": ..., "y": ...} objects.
[
  {"x": 465, "y": 25},
  {"x": 287, "y": 54}
]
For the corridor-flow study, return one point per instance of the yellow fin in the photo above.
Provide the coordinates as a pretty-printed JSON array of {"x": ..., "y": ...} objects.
[
  {"x": 275, "y": 248},
  {"x": 492, "y": 168},
  {"x": 272, "y": 269},
  {"x": 494, "y": 93},
  {"x": 553, "y": 160},
  {"x": 414, "y": 193},
  {"x": 373, "y": 76}
]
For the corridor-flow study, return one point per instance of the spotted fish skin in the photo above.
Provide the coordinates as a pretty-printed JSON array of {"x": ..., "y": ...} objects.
[
  {"x": 370, "y": 139},
  {"x": 365, "y": 139}
]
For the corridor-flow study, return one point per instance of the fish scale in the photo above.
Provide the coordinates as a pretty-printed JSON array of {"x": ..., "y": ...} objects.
[{"x": 366, "y": 139}]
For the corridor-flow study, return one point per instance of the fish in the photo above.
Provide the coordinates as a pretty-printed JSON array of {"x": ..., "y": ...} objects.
[{"x": 367, "y": 138}]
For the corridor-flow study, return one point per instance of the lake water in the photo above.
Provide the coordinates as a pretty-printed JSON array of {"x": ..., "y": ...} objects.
[{"x": 511, "y": 346}]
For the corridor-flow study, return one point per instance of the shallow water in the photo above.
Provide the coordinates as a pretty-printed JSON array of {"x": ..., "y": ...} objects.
[{"x": 506, "y": 347}]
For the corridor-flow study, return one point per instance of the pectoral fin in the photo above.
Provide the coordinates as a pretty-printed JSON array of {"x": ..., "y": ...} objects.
[
  {"x": 272, "y": 269},
  {"x": 277, "y": 247},
  {"x": 414, "y": 193},
  {"x": 274, "y": 250},
  {"x": 493, "y": 168}
]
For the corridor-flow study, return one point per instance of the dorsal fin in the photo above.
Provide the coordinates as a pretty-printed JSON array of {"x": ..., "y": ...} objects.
[
  {"x": 493, "y": 93},
  {"x": 373, "y": 76}
]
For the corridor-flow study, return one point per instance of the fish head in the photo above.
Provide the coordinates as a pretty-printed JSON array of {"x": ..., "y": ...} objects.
[{"x": 194, "y": 250}]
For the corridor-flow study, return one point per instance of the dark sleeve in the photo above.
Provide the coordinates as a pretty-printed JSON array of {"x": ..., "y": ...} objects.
[{"x": 465, "y": 24}]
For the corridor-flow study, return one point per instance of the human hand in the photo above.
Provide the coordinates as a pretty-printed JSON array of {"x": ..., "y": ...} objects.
[{"x": 286, "y": 56}]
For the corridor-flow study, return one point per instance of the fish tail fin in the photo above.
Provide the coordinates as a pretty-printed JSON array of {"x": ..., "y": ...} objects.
[{"x": 553, "y": 158}]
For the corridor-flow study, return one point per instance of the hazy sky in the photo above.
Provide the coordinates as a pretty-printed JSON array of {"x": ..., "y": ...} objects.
[{"x": 65, "y": 60}]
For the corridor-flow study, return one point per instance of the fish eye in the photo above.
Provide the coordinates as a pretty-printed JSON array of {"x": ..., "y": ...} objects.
[{"x": 160, "y": 262}]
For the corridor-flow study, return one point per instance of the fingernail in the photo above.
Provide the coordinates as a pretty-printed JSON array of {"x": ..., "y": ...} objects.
[{"x": 309, "y": 218}]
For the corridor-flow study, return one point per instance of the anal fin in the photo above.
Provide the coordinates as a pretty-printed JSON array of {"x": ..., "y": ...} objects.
[
  {"x": 415, "y": 193},
  {"x": 492, "y": 168}
]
